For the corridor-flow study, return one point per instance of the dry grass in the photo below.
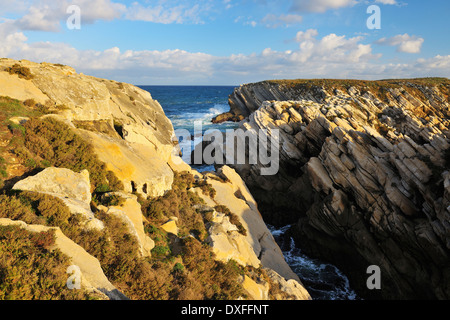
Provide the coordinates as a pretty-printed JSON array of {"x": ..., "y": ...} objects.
[
  {"x": 379, "y": 88},
  {"x": 29, "y": 270},
  {"x": 22, "y": 72}
]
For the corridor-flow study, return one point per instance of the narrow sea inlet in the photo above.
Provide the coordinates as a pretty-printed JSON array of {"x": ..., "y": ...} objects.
[{"x": 185, "y": 104}]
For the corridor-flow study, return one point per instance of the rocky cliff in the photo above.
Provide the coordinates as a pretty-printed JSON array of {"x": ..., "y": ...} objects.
[
  {"x": 364, "y": 175},
  {"x": 89, "y": 178}
]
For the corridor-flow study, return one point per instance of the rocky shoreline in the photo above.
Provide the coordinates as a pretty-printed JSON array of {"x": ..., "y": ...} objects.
[
  {"x": 364, "y": 176},
  {"x": 92, "y": 162}
]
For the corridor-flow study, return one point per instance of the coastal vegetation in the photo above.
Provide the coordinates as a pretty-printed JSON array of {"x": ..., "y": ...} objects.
[{"x": 38, "y": 143}]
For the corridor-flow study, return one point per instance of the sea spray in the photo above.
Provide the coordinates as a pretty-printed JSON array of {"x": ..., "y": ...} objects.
[{"x": 323, "y": 281}]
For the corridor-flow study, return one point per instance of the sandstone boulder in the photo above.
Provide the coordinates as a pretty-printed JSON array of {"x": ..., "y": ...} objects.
[
  {"x": 71, "y": 187},
  {"x": 130, "y": 212}
]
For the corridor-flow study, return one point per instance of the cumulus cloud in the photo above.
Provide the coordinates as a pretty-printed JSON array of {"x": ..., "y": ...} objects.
[
  {"x": 306, "y": 35},
  {"x": 403, "y": 42},
  {"x": 319, "y": 5},
  {"x": 331, "y": 56},
  {"x": 332, "y": 48},
  {"x": 47, "y": 15}
]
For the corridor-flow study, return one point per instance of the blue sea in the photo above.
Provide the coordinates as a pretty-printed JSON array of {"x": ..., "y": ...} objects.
[{"x": 185, "y": 104}]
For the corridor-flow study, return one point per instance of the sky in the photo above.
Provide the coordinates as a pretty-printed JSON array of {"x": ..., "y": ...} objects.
[{"x": 231, "y": 42}]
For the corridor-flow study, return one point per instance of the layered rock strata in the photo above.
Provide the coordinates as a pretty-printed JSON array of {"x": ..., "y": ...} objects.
[{"x": 364, "y": 176}]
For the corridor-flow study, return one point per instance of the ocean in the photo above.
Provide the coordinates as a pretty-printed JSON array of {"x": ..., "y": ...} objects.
[{"x": 185, "y": 104}]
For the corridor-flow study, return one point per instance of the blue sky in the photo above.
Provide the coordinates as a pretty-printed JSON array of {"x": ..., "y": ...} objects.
[{"x": 229, "y": 42}]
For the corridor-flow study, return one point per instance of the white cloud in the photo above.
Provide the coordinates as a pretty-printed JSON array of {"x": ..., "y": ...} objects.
[
  {"x": 319, "y": 5},
  {"x": 164, "y": 14},
  {"x": 403, "y": 42},
  {"x": 252, "y": 23},
  {"x": 330, "y": 56},
  {"x": 306, "y": 35},
  {"x": 332, "y": 48},
  {"x": 274, "y": 21},
  {"x": 228, "y": 4},
  {"x": 391, "y": 2},
  {"x": 46, "y": 15}
]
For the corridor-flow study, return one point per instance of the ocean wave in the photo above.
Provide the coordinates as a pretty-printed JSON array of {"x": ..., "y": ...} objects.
[
  {"x": 322, "y": 280},
  {"x": 204, "y": 115}
]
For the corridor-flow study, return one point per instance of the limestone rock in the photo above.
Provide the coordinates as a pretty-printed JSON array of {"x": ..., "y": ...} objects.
[
  {"x": 130, "y": 212},
  {"x": 170, "y": 227},
  {"x": 366, "y": 181},
  {"x": 140, "y": 137},
  {"x": 257, "y": 291},
  {"x": 71, "y": 187},
  {"x": 138, "y": 166},
  {"x": 59, "y": 182},
  {"x": 290, "y": 287}
]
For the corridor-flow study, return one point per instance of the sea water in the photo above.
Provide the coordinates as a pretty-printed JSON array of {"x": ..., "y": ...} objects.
[
  {"x": 322, "y": 280},
  {"x": 185, "y": 104}
]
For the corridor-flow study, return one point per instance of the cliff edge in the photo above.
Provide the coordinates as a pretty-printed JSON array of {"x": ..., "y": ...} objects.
[
  {"x": 91, "y": 183},
  {"x": 364, "y": 175}
]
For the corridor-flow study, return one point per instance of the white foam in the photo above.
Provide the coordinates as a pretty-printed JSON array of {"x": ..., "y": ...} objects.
[{"x": 315, "y": 271}]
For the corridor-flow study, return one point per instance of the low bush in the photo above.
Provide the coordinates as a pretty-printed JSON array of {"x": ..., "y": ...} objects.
[
  {"x": 178, "y": 202},
  {"x": 206, "y": 188},
  {"x": 56, "y": 144},
  {"x": 34, "y": 208},
  {"x": 234, "y": 219},
  {"x": 29, "y": 270},
  {"x": 22, "y": 72}
]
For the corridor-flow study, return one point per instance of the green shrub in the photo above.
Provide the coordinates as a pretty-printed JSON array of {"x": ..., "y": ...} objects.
[
  {"x": 34, "y": 208},
  {"x": 178, "y": 202},
  {"x": 234, "y": 219},
  {"x": 160, "y": 251},
  {"x": 178, "y": 267},
  {"x": 206, "y": 188},
  {"x": 13, "y": 208},
  {"x": 31, "y": 163},
  {"x": 16, "y": 128},
  {"x": 3, "y": 171},
  {"x": 215, "y": 279},
  {"x": 22, "y": 72},
  {"x": 14, "y": 108},
  {"x": 59, "y": 146},
  {"x": 30, "y": 270},
  {"x": 29, "y": 103}
]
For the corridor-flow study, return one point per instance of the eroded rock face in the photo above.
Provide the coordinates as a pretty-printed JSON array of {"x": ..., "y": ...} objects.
[
  {"x": 130, "y": 213},
  {"x": 71, "y": 187},
  {"x": 258, "y": 247},
  {"x": 118, "y": 117},
  {"x": 131, "y": 135},
  {"x": 363, "y": 177}
]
